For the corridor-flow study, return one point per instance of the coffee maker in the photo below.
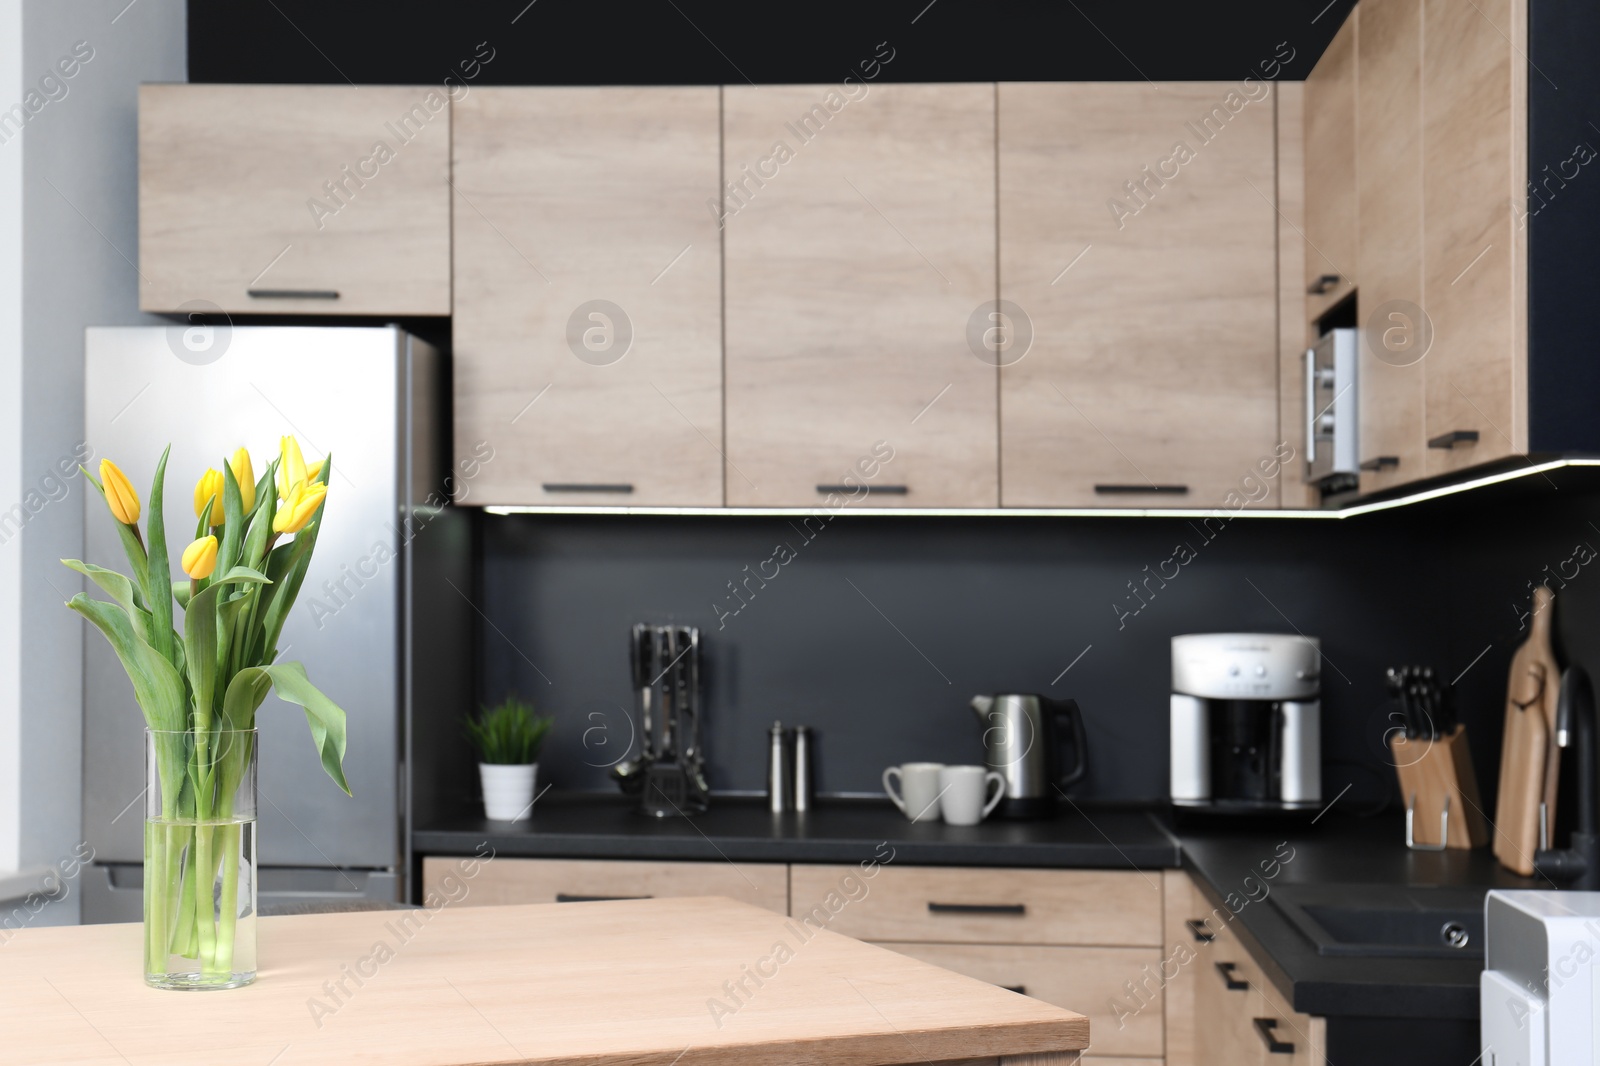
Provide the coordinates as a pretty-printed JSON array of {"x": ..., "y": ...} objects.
[{"x": 1246, "y": 722}]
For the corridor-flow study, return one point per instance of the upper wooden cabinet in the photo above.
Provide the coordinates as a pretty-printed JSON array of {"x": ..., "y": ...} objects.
[
  {"x": 1329, "y": 124},
  {"x": 1138, "y": 238},
  {"x": 859, "y": 238},
  {"x": 294, "y": 199},
  {"x": 588, "y": 348},
  {"x": 1472, "y": 147}
]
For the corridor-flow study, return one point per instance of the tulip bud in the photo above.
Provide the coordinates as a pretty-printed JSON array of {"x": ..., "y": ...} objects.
[
  {"x": 120, "y": 497},
  {"x": 314, "y": 470},
  {"x": 291, "y": 467},
  {"x": 296, "y": 511},
  {"x": 200, "y": 558},
  {"x": 245, "y": 475},
  {"x": 208, "y": 493}
]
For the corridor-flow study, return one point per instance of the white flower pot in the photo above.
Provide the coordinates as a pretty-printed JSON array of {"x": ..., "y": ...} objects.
[{"x": 508, "y": 791}]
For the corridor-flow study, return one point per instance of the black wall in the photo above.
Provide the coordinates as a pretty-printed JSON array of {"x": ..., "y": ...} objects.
[
  {"x": 708, "y": 42},
  {"x": 976, "y": 605}
]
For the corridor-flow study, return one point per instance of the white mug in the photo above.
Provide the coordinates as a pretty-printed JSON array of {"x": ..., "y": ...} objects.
[
  {"x": 918, "y": 799},
  {"x": 961, "y": 793}
]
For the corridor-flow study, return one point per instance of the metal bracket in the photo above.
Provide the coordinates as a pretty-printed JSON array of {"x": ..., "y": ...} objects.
[{"x": 1444, "y": 827}]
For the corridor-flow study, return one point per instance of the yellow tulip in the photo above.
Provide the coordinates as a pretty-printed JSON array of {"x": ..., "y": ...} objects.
[
  {"x": 245, "y": 475},
  {"x": 200, "y": 558},
  {"x": 291, "y": 467},
  {"x": 297, "y": 509},
  {"x": 314, "y": 470},
  {"x": 120, "y": 497},
  {"x": 208, "y": 492}
]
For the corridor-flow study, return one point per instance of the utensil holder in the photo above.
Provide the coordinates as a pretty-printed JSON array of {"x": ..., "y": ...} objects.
[{"x": 1436, "y": 777}]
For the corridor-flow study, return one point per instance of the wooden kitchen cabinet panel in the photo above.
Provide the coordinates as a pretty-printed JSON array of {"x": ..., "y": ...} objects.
[
  {"x": 1471, "y": 243},
  {"x": 859, "y": 242},
  {"x": 1090, "y": 981},
  {"x": 1308, "y": 1035},
  {"x": 1390, "y": 302},
  {"x": 508, "y": 880},
  {"x": 1138, "y": 236},
  {"x": 1330, "y": 173},
  {"x": 302, "y": 199},
  {"x": 1228, "y": 997},
  {"x": 984, "y": 906},
  {"x": 587, "y": 330},
  {"x": 1183, "y": 904}
]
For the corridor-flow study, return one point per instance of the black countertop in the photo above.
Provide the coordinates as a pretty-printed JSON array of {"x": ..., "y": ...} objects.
[
  {"x": 1334, "y": 851},
  {"x": 742, "y": 830}
]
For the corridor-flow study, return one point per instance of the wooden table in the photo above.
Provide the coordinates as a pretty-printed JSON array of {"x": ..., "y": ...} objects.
[{"x": 624, "y": 983}]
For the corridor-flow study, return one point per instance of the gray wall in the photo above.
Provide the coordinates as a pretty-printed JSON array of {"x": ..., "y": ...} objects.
[{"x": 79, "y": 213}]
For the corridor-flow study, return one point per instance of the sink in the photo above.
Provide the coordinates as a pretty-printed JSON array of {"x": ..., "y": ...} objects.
[{"x": 1386, "y": 920}]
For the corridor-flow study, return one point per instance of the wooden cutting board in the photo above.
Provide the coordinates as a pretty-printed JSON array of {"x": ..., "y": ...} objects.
[{"x": 1528, "y": 757}]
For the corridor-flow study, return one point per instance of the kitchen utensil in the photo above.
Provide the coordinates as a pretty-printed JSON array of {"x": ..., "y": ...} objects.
[
  {"x": 1436, "y": 776},
  {"x": 1024, "y": 738},
  {"x": 962, "y": 799},
  {"x": 780, "y": 769},
  {"x": 804, "y": 755},
  {"x": 1527, "y": 778},
  {"x": 918, "y": 796},
  {"x": 669, "y": 773}
]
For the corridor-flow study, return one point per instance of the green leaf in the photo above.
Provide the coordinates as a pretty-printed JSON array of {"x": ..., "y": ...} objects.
[
  {"x": 121, "y": 591},
  {"x": 245, "y": 693},
  {"x": 181, "y": 591},
  {"x": 156, "y": 684},
  {"x": 233, "y": 520},
  {"x": 288, "y": 588},
  {"x": 323, "y": 715},
  {"x": 200, "y": 639},
  {"x": 160, "y": 569}
]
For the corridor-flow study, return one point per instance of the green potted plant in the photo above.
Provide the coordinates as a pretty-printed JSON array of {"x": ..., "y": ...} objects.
[{"x": 507, "y": 738}]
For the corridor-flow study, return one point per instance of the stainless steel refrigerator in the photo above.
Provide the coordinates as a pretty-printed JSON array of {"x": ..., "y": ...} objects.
[{"x": 382, "y": 622}]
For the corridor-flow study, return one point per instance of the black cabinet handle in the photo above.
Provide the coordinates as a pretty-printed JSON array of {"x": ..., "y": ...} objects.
[
  {"x": 1265, "y": 1026},
  {"x": 978, "y": 908},
  {"x": 871, "y": 490},
  {"x": 1324, "y": 283},
  {"x": 1454, "y": 437},
  {"x": 292, "y": 294},
  {"x": 585, "y": 486},
  {"x": 1197, "y": 926},
  {"x": 563, "y": 897},
  {"x": 1131, "y": 490},
  {"x": 1382, "y": 462},
  {"x": 1234, "y": 984},
  {"x": 1020, "y": 990}
]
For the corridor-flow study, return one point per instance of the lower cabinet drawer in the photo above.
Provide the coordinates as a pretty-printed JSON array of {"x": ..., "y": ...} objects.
[
  {"x": 947, "y": 904},
  {"x": 1091, "y": 981},
  {"x": 506, "y": 880}
]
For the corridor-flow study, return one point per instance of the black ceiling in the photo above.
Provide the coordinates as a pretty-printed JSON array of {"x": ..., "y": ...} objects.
[{"x": 690, "y": 42}]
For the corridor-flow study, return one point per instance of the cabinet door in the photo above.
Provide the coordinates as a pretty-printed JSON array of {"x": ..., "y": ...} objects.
[
  {"x": 1330, "y": 169},
  {"x": 859, "y": 245},
  {"x": 588, "y": 295},
  {"x": 1228, "y": 999},
  {"x": 1302, "y": 1039},
  {"x": 1138, "y": 236},
  {"x": 303, "y": 199},
  {"x": 1393, "y": 321},
  {"x": 1469, "y": 235}
]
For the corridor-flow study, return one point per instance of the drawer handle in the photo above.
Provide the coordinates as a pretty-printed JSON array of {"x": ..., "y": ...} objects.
[
  {"x": 1324, "y": 284},
  {"x": 1202, "y": 935},
  {"x": 1265, "y": 1027},
  {"x": 978, "y": 908},
  {"x": 1234, "y": 984},
  {"x": 1020, "y": 990},
  {"x": 880, "y": 490},
  {"x": 586, "y": 486},
  {"x": 563, "y": 897},
  {"x": 292, "y": 294},
  {"x": 1133, "y": 490},
  {"x": 1382, "y": 462},
  {"x": 1454, "y": 437}
]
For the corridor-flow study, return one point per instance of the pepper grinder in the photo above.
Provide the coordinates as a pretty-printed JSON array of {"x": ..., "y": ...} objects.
[
  {"x": 780, "y": 770},
  {"x": 804, "y": 750}
]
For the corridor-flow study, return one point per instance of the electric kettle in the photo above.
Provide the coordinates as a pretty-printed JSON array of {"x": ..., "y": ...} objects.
[{"x": 1023, "y": 741}]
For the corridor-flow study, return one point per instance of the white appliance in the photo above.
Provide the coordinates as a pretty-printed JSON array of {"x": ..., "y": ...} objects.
[
  {"x": 1539, "y": 993},
  {"x": 1246, "y": 722}
]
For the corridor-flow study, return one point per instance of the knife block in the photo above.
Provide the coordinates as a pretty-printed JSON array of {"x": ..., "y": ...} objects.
[{"x": 1442, "y": 770}]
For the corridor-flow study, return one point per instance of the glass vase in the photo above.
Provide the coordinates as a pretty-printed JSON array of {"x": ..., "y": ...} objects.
[{"x": 200, "y": 859}]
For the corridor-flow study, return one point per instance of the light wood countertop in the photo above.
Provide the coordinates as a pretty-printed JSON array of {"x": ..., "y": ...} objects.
[{"x": 624, "y": 983}]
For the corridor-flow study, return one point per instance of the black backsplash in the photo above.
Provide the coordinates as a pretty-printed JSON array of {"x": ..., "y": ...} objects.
[{"x": 880, "y": 629}]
